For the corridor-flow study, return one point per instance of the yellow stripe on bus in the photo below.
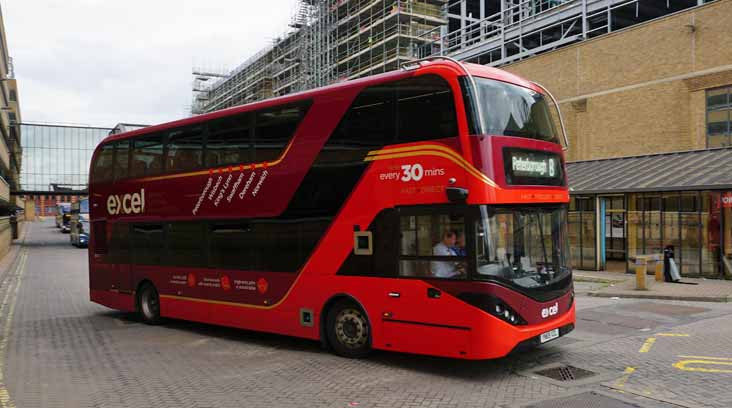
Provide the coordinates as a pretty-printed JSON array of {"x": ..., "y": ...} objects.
[{"x": 466, "y": 166}]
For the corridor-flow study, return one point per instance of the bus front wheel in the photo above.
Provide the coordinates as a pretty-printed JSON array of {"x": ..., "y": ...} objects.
[
  {"x": 348, "y": 330},
  {"x": 149, "y": 304}
]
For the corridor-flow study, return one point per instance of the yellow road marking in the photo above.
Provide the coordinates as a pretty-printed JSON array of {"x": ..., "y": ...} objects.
[
  {"x": 622, "y": 380},
  {"x": 672, "y": 334},
  {"x": 646, "y": 347},
  {"x": 683, "y": 365},
  {"x": 11, "y": 297},
  {"x": 708, "y": 358}
]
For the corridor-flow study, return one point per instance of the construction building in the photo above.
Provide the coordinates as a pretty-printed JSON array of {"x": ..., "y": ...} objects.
[
  {"x": 11, "y": 207},
  {"x": 330, "y": 41}
]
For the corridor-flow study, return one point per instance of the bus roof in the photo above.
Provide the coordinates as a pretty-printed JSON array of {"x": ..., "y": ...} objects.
[{"x": 474, "y": 69}]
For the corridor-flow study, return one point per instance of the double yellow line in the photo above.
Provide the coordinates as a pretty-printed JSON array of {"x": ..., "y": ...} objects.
[{"x": 429, "y": 150}]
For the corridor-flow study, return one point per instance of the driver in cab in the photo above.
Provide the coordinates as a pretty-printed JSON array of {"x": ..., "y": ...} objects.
[{"x": 446, "y": 269}]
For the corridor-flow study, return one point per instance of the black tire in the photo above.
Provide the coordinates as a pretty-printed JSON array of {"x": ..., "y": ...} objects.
[
  {"x": 148, "y": 304},
  {"x": 348, "y": 330}
]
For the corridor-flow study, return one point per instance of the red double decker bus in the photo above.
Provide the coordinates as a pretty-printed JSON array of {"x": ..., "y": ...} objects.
[{"x": 422, "y": 210}]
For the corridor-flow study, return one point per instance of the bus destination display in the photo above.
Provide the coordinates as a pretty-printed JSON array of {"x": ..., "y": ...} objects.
[{"x": 532, "y": 167}]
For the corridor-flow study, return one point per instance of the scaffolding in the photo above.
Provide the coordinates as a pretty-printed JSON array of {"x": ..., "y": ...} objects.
[
  {"x": 329, "y": 41},
  {"x": 338, "y": 40}
]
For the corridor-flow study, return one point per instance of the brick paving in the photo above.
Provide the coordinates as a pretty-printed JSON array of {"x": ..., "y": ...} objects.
[{"x": 64, "y": 351}]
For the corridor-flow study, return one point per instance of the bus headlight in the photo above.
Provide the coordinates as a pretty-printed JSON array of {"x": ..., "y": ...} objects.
[{"x": 494, "y": 306}]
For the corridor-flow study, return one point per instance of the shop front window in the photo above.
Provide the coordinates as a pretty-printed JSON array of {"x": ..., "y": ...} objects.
[
  {"x": 688, "y": 254},
  {"x": 581, "y": 223},
  {"x": 711, "y": 217},
  {"x": 727, "y": 233}
]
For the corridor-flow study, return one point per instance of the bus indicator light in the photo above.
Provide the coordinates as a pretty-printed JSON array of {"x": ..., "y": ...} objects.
[
  {"x": 262, "y": 285},
  {"x": 225, "y": 283}
]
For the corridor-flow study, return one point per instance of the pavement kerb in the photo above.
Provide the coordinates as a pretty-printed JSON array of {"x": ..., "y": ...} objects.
[
  {"x": 592, "y": 279},
  {"x": 8, "y": 260},
  {"x": 713, "y": 299}
]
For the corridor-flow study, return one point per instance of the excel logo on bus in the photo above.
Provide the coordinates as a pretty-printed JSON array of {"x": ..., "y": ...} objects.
[{"x": 126, "y": 204}]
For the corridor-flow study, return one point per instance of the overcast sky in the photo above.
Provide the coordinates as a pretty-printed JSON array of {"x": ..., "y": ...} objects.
[{"x": 100, "y": 62}]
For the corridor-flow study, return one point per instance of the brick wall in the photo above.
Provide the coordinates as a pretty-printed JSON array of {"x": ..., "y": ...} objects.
[{"x": 639, "y": 90}]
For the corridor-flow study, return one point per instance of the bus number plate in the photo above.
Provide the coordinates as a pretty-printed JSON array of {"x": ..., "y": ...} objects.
[{"x": 550, "y": 335}]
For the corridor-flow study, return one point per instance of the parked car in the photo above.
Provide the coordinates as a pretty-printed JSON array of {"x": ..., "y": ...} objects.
[{"x": 79, "y": 224}]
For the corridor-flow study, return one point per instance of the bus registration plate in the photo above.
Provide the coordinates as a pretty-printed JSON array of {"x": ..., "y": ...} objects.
[{"x": 550, "y": 335}]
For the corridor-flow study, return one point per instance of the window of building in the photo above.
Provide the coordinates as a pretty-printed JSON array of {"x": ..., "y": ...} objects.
[
  {"x": 13, "y": 95},
  {"x": 102, "y": 169},
  {"x": 147, "y": 156},
  {"x": 185, "y": 149},
  {"x": 719, "y": 117},
  {"x": 432, "y": 245}
]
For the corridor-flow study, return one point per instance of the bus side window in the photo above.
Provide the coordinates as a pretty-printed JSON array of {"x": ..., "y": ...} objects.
[
  {"x": 185, "y": 245},
  {"x": 425, "y": 109},
  {"x": 121, "y": 159},
  {"x": 428, "y": 244},
  {"x": 102, "y": 168},
  {"x": 229, "y": 140},
  {"x": 147, "y": 244},
  {"x": 119, "y": 243},
  {"x": 184, "y": 149},
  {"x": 232, "y": 246},
  {"x": 274, "y": 129},
  {"x": 99, "y": 237},
  {"x": 147, "y": 156}
]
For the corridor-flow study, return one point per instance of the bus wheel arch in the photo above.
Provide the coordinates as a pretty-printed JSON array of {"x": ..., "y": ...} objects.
[
  {"x": 147, "y": 302},
  {"x": 345, "y": 306}
]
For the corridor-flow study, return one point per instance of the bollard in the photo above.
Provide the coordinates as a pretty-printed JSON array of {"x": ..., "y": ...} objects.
[{"x": 641, "y": 265}]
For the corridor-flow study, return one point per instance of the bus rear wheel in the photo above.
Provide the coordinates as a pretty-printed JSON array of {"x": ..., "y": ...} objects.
[
  {"x": 149, "y": 304},
  {"x": 348, "y": 330}
]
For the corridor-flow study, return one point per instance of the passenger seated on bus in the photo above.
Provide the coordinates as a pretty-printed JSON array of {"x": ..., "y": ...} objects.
[{"x": 445, "y": 269}]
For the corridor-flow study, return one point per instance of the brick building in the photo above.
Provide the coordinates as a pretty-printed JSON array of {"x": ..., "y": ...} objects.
[{"x": 658, "y": 87}]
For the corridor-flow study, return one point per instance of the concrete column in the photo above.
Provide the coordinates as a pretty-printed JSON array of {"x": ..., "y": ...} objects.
[{"x": 30, "y": 210}]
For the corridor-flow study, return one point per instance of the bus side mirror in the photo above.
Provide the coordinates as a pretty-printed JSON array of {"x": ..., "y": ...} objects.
[
  {"x": 363, "y": 243},
  {"x": 457, "y": 194}
]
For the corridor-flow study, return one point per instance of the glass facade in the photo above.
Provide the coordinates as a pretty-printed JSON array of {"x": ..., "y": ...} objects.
[
  {"x": 582, "y": 232},
  {"x": 697, "y": 224},
  {"x": 57, "y": 155}
]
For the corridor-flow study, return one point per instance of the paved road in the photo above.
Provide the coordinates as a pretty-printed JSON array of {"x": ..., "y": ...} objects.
[{"x": 59, "y": 350}]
